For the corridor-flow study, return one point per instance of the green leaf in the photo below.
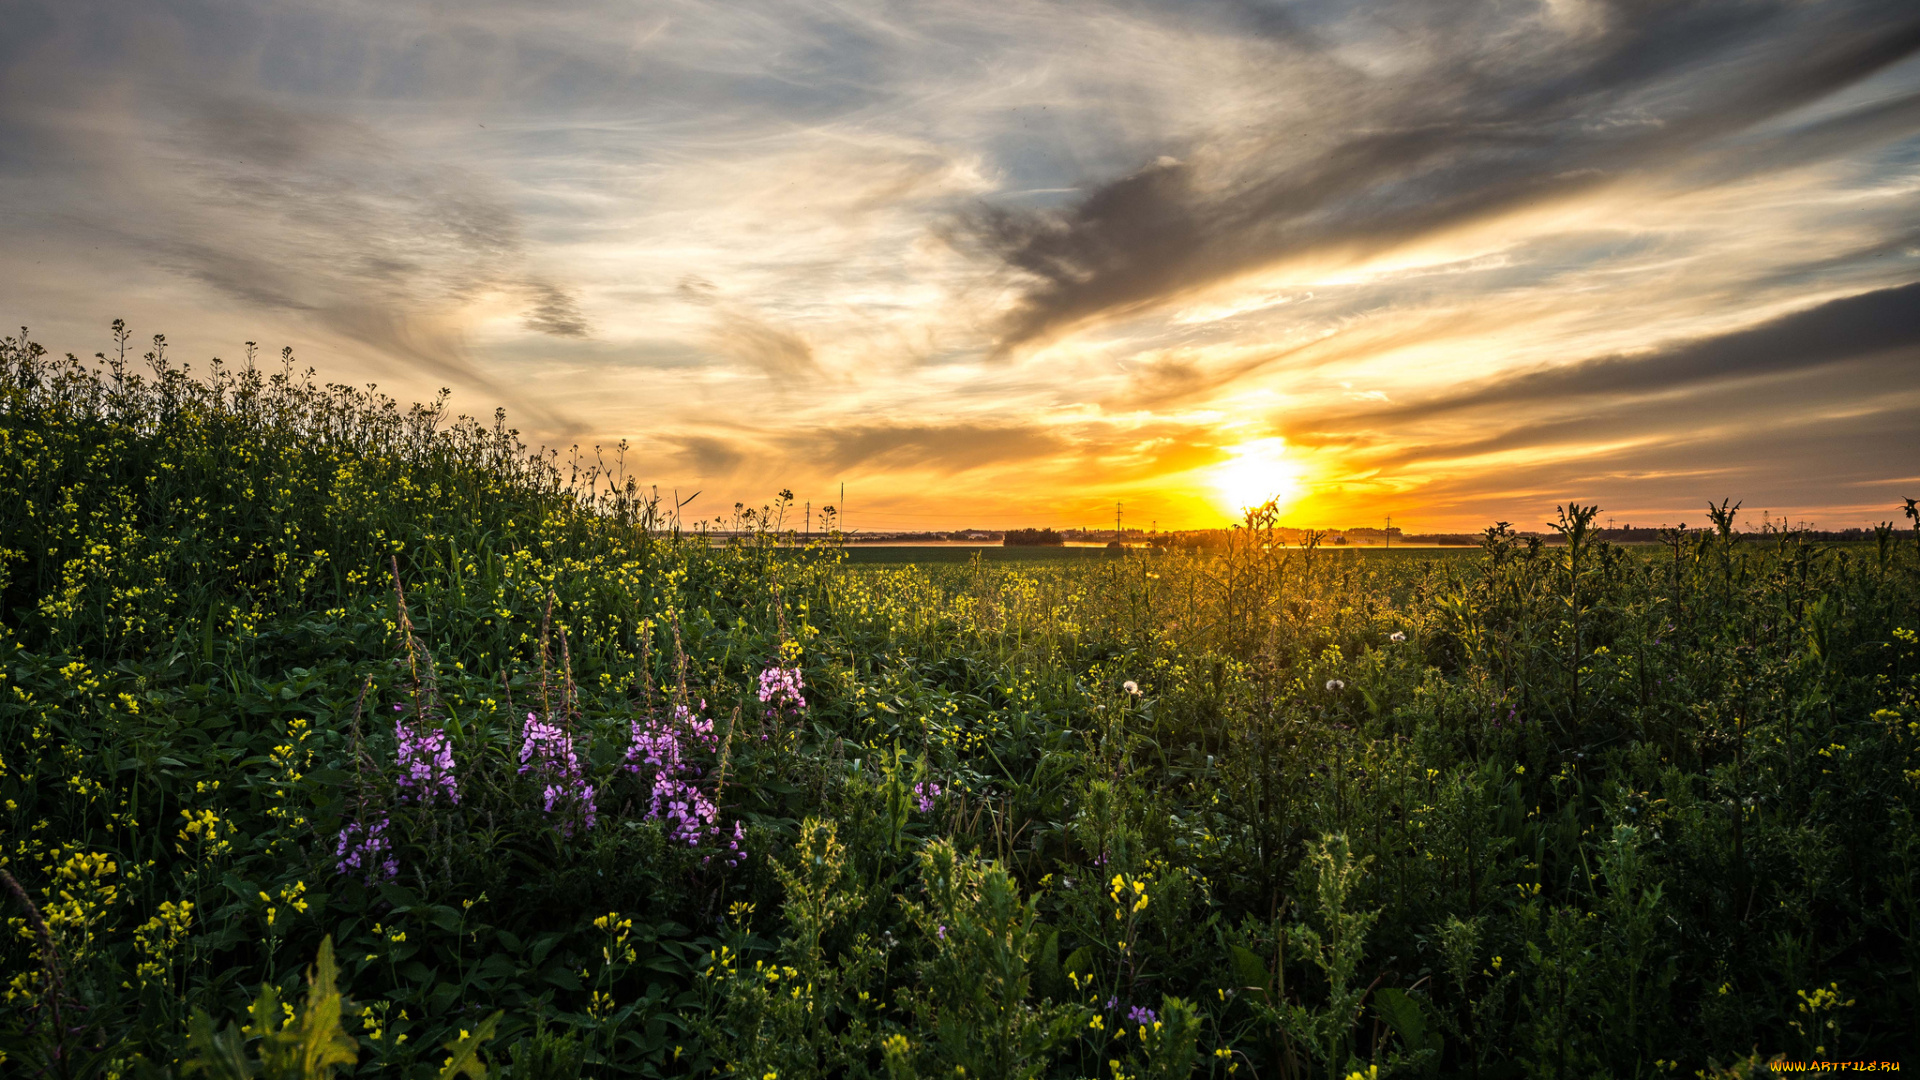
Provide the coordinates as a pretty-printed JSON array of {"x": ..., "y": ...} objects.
[
  {"x": 1403, "y": 1014},
  {"x": 543, "y": 945},
  {"x": 444, "y": 917},
  {"x": 1249, "y": 971},
  {"x": 465, "y": 1060},
  {"x": 1080, "y": 961},
  {"x": 220, "y": 1054},
  {"x": 401, "y": 898},
  {"x": 562, "y": 978},
  {"x": 1049, "y": 979}
]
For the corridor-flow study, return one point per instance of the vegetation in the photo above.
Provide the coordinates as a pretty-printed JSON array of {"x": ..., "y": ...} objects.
[
  {"x": 341, "y": 739},
  {"x": 1032, "y": 538}
]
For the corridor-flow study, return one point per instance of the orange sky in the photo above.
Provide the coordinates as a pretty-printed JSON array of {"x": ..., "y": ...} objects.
[{"x": 1001, "y": 264}]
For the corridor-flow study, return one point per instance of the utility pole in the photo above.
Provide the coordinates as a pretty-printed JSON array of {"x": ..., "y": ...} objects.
[
  {"x": 1116, "y": 521},
  {"x": 1389, "y": 533},
  {"x": 809, "y": 521}
]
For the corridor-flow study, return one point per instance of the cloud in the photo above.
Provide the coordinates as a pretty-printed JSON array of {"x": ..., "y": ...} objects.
[
  {"x": 944, "y": 449},
  {"x": 776, "y": 352},
  {"x": 292, "y": 210},
  {"x": 554, "y": 312},
  {"x": 710, "y": 457},
  {"x": 1840, "y": 330},
  {"x": 1475, "y": 121},
  {"x": 1862, "y": 456}
]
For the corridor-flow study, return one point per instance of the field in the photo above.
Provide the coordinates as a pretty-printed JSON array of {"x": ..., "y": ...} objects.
[{"x": 339, "y": 737}]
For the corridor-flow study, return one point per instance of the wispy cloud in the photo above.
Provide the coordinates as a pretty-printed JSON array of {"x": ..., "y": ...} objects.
[
  {"x": 1851, "y": 328},
  {"x": 1477, "y": 123}
]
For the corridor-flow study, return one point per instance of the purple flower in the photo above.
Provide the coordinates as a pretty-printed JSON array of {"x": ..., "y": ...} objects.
[
  {"x": 546, "y": 750},
  {"x": 924, "y": 793},
  {"x": 666, "y": 747},
  {"x": 426, "y": 762},
  {"x": 365, "y": 850},
  {"x": 941, "y": 932},
  {"x": 780, "y": 689},
  {"x": 1141, "y": 1015}
]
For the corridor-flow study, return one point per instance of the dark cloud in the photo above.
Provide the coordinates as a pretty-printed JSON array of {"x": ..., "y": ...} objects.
[
  {"x": 287, "y": 206},
  {"x": 776, "y": 352},
  {"x": 709, "y": 457},
  {"x": 1851, "y": 328},
  {"x": 554, "y": 312},
  {"x": 1493, "y": 119},
  {"x": 813, "y": 453},
  {"x": 945, "y": 449},
  {"x": 1861, "y": 458},
  {"x": 738, "y": 334},
  {"x": 1095, "y": 453}
]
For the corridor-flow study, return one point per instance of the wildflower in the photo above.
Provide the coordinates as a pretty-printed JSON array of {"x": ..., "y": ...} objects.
[
  {"x": 1140, "y": 1014},
  {"x": 547, "y": 750},
  {"x": 780, "y": 689},
  {"x": 665, "y": 747},
  {"x": 1336, "y": 684},
  {"x": 1397, "y": 636},
  {"x": 1131, "y": 687},
  {"x": 924, "y": 793},
  {"x": 426, "y": 762}
]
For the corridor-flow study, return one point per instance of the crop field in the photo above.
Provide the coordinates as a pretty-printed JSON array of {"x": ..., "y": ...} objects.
[{"x": 343, "y": 738}]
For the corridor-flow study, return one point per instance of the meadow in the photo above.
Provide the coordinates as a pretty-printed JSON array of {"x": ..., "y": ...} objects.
[{"x": 342, "y": 738}]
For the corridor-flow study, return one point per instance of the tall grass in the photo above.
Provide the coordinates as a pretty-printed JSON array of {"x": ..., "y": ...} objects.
[{"x": 1275, "y": 810}]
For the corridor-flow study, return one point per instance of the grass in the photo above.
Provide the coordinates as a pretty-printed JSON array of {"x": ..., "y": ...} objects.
[{"x": 1545, "y": 811}]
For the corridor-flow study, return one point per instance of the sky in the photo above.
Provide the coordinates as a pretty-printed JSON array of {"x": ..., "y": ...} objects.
[{"x": 996, "y": 263}]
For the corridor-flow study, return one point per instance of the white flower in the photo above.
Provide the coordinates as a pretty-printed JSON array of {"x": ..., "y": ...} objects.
[
  {"x": 1336, "y": 684},
  {"x": 1131, "y": 687},
  {"x": 1397, "y": 635}
]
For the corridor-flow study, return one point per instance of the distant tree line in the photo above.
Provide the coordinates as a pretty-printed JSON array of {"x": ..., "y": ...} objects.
[{"x": 1033, "y": 538}]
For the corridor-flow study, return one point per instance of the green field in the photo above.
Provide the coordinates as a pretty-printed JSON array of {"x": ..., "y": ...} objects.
[
  {"x": 292, "y": 670},
  {"x": 933, "y": 555},
  {"x": 939, "y": 554}
]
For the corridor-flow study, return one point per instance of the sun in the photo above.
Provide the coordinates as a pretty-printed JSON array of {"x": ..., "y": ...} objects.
[{"x": 1258, "y": 471}]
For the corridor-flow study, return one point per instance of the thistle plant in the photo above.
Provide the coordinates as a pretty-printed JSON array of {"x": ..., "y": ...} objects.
[
  {"x": 1335, "y": 947},
  {"x": 814, "y": 1008},
  {"x": 974, "y": 998}
]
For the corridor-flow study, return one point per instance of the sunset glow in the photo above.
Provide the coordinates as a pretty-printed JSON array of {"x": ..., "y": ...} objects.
[
  {"x": 1258, "y": 472},
  {"x": 1006, "y": 264}
]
